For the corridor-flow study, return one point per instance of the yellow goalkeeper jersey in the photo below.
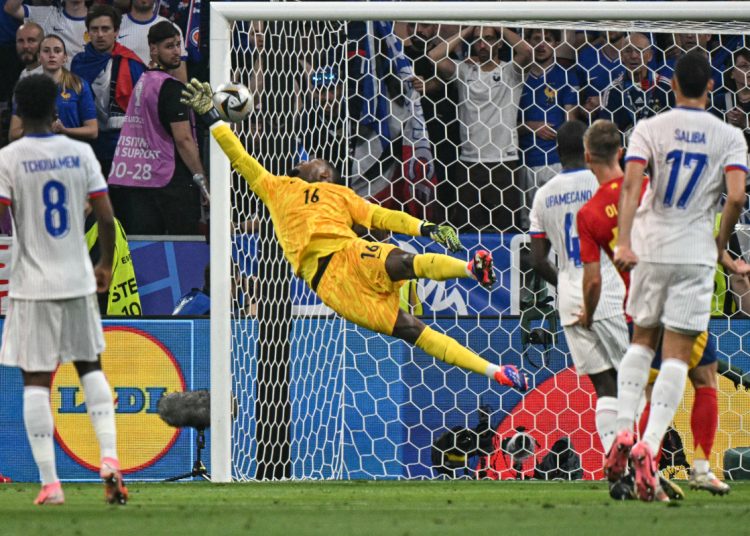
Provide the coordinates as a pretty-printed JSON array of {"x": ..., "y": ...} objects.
[{"x": 311, "y": 220}]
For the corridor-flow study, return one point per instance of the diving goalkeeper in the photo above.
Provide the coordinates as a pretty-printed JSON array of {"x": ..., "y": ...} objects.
[{"x": 313, "y": 219}]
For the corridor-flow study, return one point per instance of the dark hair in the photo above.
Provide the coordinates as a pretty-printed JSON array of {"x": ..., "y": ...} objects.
[
  {"x": 35, "y": 98},
  {"x": 741, "y": 52},
  {"x": 570, "y": 142},
  {"x": 602, "y": 140},
  {"x": 693, "y": 73},
  {"x": 104, "y": 10},
  {"x": 335, "y": 173},
  {"x": 556, "y": 34},
  {"x": 161, "y": 31}
]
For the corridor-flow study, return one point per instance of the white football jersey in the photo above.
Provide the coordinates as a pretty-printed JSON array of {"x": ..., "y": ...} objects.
[
  {"x": 54, "y": 20},
  {"x": 687, "y": 150},
  {"x": 46, "y": 181},
  {"x": 553, "y": 216},
  {"x": 134, "y": 35}
]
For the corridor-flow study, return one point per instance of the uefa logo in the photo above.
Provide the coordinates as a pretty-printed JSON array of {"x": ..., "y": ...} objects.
[{"x": 140, "y": 370}]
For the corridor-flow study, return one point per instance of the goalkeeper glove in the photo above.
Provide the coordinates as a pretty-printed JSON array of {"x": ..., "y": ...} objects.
[
  {"x": 199, "y": 96},
  {"x": 442, "y": 234}
]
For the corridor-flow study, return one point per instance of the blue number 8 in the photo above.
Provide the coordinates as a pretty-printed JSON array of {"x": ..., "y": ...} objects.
[{"x": 55, "y": 196}]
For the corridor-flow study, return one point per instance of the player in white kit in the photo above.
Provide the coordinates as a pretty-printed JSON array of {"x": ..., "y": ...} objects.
[
  {"x": 53, "y": 315},
  {"x": 596, "y": 348},
  {"x": 669, "y": 244}
]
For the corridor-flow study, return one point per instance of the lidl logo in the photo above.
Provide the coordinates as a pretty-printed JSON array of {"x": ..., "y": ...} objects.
[{"x": 140, "y": 370}]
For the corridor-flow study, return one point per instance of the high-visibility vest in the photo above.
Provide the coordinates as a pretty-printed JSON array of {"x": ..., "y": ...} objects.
[{"x": 124, "y": 299}]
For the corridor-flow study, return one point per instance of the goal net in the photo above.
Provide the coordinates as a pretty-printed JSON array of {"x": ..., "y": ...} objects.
[{"x": 307, "y": 395}]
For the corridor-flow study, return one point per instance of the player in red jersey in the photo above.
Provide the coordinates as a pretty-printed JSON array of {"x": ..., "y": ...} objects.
[{"x": 597, "y": 230}]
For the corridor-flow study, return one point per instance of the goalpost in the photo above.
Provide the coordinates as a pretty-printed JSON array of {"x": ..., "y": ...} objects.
[{"x": 299, "y": 393}]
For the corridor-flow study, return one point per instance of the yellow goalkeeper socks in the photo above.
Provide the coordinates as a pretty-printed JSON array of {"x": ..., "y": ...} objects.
[
  {"x": 447, "y": 349},
  {"x": 439, "y": 267}
]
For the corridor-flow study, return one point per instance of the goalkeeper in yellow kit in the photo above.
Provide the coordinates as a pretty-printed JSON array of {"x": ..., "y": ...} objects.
[{"x": 360, "y": 280}]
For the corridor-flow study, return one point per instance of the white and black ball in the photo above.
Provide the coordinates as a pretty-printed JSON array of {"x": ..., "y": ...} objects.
[{"x": 233, "y": 102}]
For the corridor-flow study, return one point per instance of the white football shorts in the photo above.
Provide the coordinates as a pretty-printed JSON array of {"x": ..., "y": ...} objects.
[
  {"x": 40, "y": 334},
  {"x": 677, "y": 296},
  {"x": 599, "y": 348}
]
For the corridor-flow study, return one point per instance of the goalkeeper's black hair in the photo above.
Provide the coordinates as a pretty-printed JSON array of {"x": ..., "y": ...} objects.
[
  {"x": 693, "y": 73},
  {"x": 335, "y": 174},
  {"x": 570, "y": 144},
  {"x": 35, "y": 98}
]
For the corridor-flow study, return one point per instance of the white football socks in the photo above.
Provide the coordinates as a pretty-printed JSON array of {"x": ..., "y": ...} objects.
[
  {"x": 606, "y": 420},
  {"x": 667, "y": 395},
  {"x": 631, "y": 380},
  {"x": 101, "y": 411},
  {"x": 37, "y": 417}
]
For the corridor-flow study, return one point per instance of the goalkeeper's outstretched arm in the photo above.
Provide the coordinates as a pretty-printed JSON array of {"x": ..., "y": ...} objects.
[
  {"x": 400, "y": 222},
  {"x": 199, "y": 96}
]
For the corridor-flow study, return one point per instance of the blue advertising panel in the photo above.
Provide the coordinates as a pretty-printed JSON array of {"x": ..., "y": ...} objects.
[
  {"x": 362, "y": 405},
  {"x": 165, "y": 270}
]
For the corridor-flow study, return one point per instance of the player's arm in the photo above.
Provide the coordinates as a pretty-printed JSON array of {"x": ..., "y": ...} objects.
[
  {"x": 400, "y": 222},
  {"x": 592, "y": 289},
  {"x": 735, "y": 185},
  {"x": 630, "y": 195},
  {"x": 592, "y": 275},
  {"x": 105, "y": 219},
  {"x": 540, "y": 248},
  {"x": 198, "y": 95}
]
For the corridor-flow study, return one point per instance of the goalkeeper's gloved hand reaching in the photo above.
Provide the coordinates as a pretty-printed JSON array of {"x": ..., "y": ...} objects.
[
  {"x": 199, "y": 96},
  {"x": 443, "y": 235}
]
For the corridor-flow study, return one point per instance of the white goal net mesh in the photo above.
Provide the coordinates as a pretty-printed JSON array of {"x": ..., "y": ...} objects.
[{"x": 319, "y": 398}]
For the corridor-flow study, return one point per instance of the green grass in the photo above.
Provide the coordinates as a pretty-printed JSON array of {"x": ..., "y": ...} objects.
[{"x": 364, "y": 508}]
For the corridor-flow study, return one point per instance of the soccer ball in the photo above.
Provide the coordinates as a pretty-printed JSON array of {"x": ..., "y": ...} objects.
[{"x": 233, "y": 102}]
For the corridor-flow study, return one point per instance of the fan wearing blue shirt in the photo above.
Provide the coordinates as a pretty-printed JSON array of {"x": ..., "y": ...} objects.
[
  {"x": 597, "y": 67},
  {"x": 76, "y": 110},
  {"x": 549, "y": 97},
  {"x": 638, "y": 92}
]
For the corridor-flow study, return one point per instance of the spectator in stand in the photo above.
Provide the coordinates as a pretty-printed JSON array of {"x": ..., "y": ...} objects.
[
  {"x": 28, "y": 39},
  {"x": 684, "y": 43},
  {"x": 438, "y": 105},
  {"x": 736, "y": 102},
  {"x": 76, "y": 111},
  {"x": 66, "y": 20},
  {"x": 157, "y": 164},
  {"x": 112, "y": 70},
  {"x": 8, "y": 58},
  {"x": 134, "y": 34},
  {"x": 549, "y": 98},
  {"x": 489, "y": 92},
  {"x": 598, "y": 65},
  {"x": 638, "y": 92}
]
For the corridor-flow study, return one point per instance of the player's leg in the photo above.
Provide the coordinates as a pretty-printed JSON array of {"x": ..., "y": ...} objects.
[
  {"x": 445, "y": 348},
  {"x": 666, "y": 396},
  {"x": 40, "y": 427},
  {"x": 82, "y": 342},
  {"x": 704, "y": 419},
  {"x": 686, "y": 312},
  {"x": 401, "y": 266},
  {"x": 101, "y": 411},
  {"x": 30, "y": 344}
]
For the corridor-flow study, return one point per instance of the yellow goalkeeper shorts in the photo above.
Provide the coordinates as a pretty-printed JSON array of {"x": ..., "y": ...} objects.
[
  {"x": 356, "y": 285},
  {"x": 703, "y": 353}
]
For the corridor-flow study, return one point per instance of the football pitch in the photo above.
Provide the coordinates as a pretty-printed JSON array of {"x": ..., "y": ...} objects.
[{"x": 468, "y": 508}]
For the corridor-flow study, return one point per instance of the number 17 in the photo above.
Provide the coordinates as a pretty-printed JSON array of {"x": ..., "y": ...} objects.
[{"x": 679, "y": 159}]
